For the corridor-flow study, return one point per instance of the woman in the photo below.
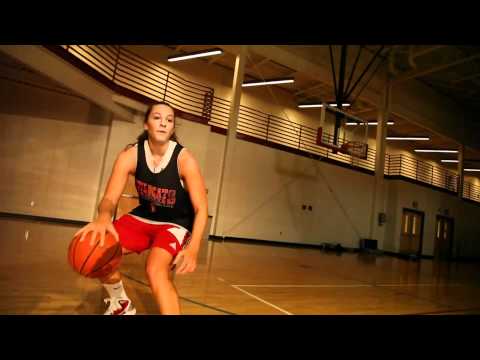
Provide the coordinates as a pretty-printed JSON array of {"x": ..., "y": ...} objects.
[{"x": 170, "y": 219}]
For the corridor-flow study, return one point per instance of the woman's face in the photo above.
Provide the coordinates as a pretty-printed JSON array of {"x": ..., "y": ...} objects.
[{"x": 161, "y": 123}]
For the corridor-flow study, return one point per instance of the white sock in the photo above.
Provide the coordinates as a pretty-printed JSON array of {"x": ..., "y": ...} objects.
[{"x": 116, "y": 290}]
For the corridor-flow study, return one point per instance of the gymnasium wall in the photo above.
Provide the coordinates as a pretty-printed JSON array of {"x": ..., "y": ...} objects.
[
  {"x": 52, "y": 144},
  {"x": 65, "y": 148},
  {"x": 266, "y": 188},
  {"x": 466, "y": 230}
]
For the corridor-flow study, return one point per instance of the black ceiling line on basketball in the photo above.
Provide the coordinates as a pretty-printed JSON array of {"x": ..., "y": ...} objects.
[
  {"x": 354, "y": 66},
  {"x": 350, "y": 91},
  {"x": 342, "y": 92},
  {"x": 332, "y": 63},
  {"x": 368, "y": 81},
  {"x": 339, "y": 89},
  {"x": 339, "y": 98}
]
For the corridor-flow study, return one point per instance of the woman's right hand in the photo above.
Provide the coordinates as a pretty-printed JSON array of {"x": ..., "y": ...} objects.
[{"x": 97, "y": 227}]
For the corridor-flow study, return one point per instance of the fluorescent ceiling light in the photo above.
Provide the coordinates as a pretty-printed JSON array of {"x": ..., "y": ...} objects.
[
  {"x": 350, "y": 123},
  {"x": 194, "y": 55},
  {"x": 268, "y": 82},
  {"x": 416, "y": 138},
  {"x": 449, "y": 161},
  {"x": 471, "y": 169},
  {"x": 307, "y": 106},
  {"x": 436, "y": 151},
  {"x": 343, "y": 104}
]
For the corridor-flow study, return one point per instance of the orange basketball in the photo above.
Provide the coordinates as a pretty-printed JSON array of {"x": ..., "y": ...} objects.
[{"x": 94, "y": 261}]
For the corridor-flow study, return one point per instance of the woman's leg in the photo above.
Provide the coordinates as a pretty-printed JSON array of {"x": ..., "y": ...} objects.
[
  {"x": 133, "y": 238},
  {"x": 160, "y": 278},
  {"x": 115, "y": 276},
  {"x": 118, "y": 301}
]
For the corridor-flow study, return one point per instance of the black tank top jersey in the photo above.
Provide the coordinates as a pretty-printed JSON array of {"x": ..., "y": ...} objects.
[{"x": 162, "y": 196}]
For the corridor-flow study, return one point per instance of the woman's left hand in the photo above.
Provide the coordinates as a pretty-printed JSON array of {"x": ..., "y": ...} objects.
[{"x": 189, "y": 262}]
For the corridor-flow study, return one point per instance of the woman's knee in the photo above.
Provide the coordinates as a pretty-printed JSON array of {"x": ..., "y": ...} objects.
[
  {"x": 158, "y": 266},
  {"x": 157, "y": 273}
]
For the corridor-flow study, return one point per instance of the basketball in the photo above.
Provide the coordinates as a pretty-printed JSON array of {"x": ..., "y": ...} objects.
[{"x": 93, "y": 261}]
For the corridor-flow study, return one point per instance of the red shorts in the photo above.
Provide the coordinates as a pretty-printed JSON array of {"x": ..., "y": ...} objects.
[{"x": 137, "y": 236}]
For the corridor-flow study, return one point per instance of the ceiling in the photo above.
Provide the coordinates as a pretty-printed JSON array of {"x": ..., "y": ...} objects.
[
  {"x": 13, "y": 70},
  {"x": 431, "y": 65},
  {"x": 450, "y": 70}
]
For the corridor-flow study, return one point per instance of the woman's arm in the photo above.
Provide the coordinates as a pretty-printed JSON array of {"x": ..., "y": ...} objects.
[
  {"x": 190, "y": 172},
  {"x": 124, "y": 165}
]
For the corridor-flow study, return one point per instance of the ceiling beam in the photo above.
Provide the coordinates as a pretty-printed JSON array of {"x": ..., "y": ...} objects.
[
  {"x": 46, "y": 63},
  {"x": 315, "y": 65},
  {"x": 426, "y": 51},
  {"x": 367, "y": 110},
  {"x": 451, "y": 86},
  {"x": 214, "y": 59},
  {"x": 465, "y": 78},
  {"x": 310, "y": 88},
  {"x": 433, "y": 69},
  {"x": 258, "y": 63}
]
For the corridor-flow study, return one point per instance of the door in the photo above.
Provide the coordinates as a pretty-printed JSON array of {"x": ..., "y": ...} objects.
[
  {"x": 412, "y": 232},
  {"x": 443, "y": 238}
]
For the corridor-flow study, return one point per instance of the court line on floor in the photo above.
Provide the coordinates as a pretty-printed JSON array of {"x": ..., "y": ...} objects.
[
  {"x": 184, "y": 298},
  {"x": 256, "y": 297},
  {"x": 449, "y": 307},
  {"x": 239, "y": 288},
  {"x": 262, "y": 300},
  {"x": 395, "y": 291},
  {"x": 336, "y": 285}
]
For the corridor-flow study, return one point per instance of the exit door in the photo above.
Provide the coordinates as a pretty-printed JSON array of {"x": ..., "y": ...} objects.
[
  {"x": 443, "y": 238},
  {"x": 412, "y": 232}
]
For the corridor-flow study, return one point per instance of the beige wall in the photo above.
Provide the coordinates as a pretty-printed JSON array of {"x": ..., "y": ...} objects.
[
  {"x": 266, "y": 189},
  {"x": 265, "y": 196},
  {"x": 69, "y": 147},
  {"x": 432, "y": 203},
  {"x": 122, "y": 133},
  {"x": 51, "y": 147}
]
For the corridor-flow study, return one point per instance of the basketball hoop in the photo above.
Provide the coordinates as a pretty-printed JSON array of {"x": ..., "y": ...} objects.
[{"x": 355, "y": 148}]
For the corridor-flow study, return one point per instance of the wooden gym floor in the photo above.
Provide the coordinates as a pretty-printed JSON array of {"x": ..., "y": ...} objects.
[{"x": 235, "y": 278}]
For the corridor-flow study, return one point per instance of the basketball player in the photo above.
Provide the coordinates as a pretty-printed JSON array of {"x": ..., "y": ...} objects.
[{"x": 170, "y": 219}]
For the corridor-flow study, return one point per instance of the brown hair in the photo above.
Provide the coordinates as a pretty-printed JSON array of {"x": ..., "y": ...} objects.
[{"x": 144, "y": 135}]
